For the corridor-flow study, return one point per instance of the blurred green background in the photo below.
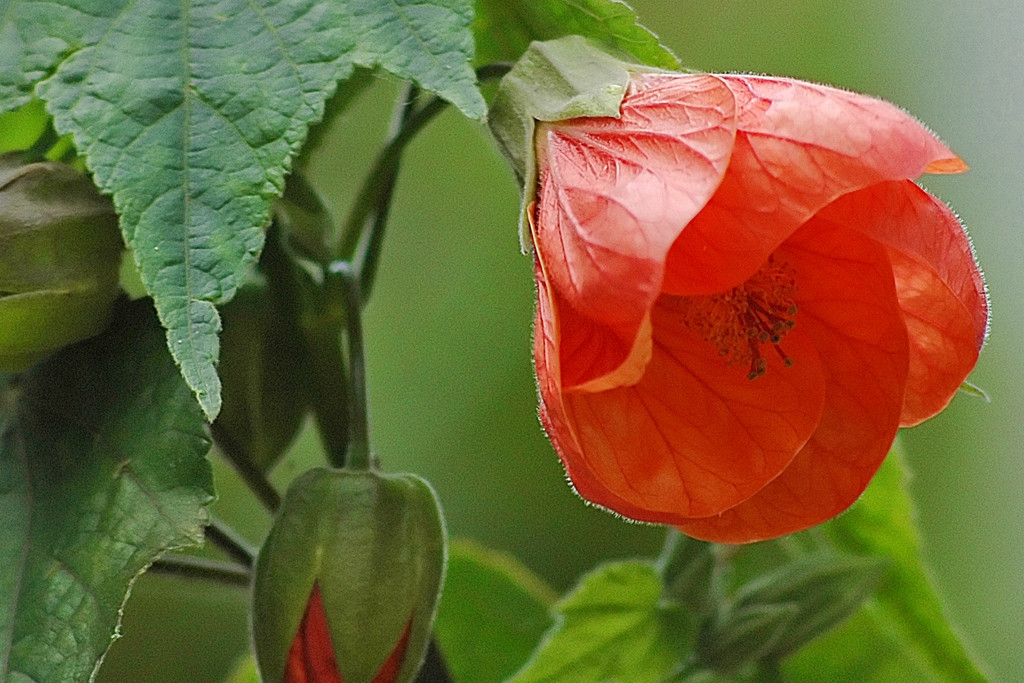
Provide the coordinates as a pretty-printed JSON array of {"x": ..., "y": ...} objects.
[{"x": 451, "y": 381}]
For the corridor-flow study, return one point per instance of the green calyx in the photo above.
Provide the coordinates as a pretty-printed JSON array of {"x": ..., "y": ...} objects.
[
  {"x": 554, "y": 80},
  {"x": 374, "y": 545},
  {"x": 780, "y": 612},
  {"x": 60, "y": 252}
]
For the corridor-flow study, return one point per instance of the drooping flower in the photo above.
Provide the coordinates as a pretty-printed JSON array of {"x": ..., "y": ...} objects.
[{"x": 742, "y": 295}]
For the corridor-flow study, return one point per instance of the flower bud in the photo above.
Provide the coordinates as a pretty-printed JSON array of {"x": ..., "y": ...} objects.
[
  {"x": 264, "y": 371},
  {"x": 825, "y": 589},
  {"x": 745, "y": 636},
  {"x": 348, "y": 580},
  {"x": 59, "y": 258}
]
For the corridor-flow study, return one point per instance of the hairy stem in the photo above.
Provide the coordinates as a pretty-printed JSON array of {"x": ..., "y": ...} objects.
[{"x": 344, "y": 281}]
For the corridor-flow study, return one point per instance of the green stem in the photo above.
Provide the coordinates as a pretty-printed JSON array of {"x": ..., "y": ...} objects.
[
  {"x": 343, "y": 280},
  {"x": 367, "y": 257},
  {"x": 253, "y": 477},
  {"x": 231, "y": 542},
  {"x": 188, "y": 567},
  {"x": 363, "y": 233},
  {"x": 380, "y": 179}
]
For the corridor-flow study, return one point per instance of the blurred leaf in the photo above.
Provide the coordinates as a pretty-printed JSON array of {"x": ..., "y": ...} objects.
[
  {"x": 975, "y": 391},
  {"x": 21, "y": 127},
  {"x": 504, "y": 28},
  {"x": 102, "y": 468},
  {"x": 190, "y": 118},
  {"x": 244, "y": 671},
  {"x": 906, "y": 607},
  {"x": 493, "y": 613},
  {"x": 857, "y": 652},
  {"x": 611, "y": 627}
]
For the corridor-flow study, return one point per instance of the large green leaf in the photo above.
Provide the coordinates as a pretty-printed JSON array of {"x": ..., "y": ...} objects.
[
  {"x": 189, "y": 115},
  {"x": 504, "y": 28},
  {"x": 493, "y": 613},
  {"x": 903, "y": 627},
  {"x": 612, "y": 627},
  {"x": 102, "y": 468}
]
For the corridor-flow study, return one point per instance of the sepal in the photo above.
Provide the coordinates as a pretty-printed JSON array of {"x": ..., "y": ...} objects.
[
  {"x": 554, "y": 80},
  {"x": 824, "y": 588}
]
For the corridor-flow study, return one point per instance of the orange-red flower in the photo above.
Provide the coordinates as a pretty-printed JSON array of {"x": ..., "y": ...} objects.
[{"x": 742, "y": 295}]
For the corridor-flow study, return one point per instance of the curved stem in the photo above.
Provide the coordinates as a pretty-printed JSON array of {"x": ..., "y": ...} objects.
[
  {"x": 188, "y": 567},
  {"x": 253, "y": 477},
  {"x": 343, "y": 279},
  {"x": 45, "y": 142},
  {"x": 231, "y": 542},
  {"x": 363, "y": 232},
  {"x": 369, "y": 214}
]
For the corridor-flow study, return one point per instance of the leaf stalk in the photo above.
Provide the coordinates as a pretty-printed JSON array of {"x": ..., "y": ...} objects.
[{"x": 189, "y": 567}]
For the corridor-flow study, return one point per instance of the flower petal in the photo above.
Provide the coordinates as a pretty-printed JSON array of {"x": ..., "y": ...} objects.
[
  {"x": 552, "y": 412},
  {"x": 938, "y": 283},
  {"x": 614, "y": 193},
  {"x": 591, "y": 354},
  {"x": 798, "y": 147},
  {"x": 311, "y": 655},
  {"x": 849, "y": 307},
  {"x": 693, "y": 437}
]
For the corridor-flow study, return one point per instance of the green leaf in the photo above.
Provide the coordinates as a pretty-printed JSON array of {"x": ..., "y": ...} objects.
[
  {"x": 493, "y": 613},
  {"x": 859, "y": 651},
  {"x": 21, "y": 127},
  {"x": 975, "y": 391},
  {"x": 102, "y": 468},
  {"x": 428, "y": 42},
  {"x": 244, "y": 671},
  {"x": 504, "y": 28},
  {"x": 189, "y": 115},
  {"x": 906, "y": 606},
  {"x": 611, "y": 628}
]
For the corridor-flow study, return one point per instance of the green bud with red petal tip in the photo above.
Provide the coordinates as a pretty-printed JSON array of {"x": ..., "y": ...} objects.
[
  {"x": 349, "y": 578},
  {"x": 60, "y": 253}
]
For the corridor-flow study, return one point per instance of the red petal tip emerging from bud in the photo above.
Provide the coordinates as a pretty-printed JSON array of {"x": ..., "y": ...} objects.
[
  {"x": 311, "y": 656},
  {"x": 392, "y": 666}
]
